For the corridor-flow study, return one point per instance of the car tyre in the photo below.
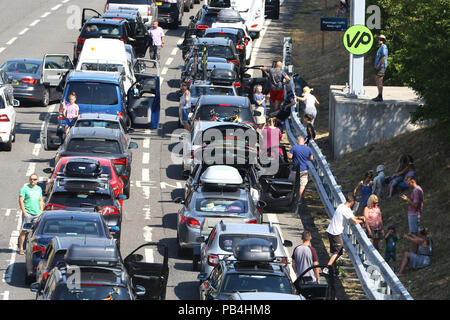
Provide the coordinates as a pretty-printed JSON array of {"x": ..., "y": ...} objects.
[
  {"x": 181, "y": 252},
  {"x": 45, "y": 98},
  {"x": 8, "y": 145}
]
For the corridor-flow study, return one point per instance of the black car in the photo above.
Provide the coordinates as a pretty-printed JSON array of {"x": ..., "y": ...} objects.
[
  {"x": 203, "y": 20},
  {"x": 272, "y": 9},
  {"x": 75, "y": 224},
  {"x": 106, "y": 143},
  {"x": 96, "y": 271},
  {"x": 171, "y": 12},
  {"x": 102, "y": 28},
  {"x": 254, "y": 271},
  {"x": 235, "y": 35}
]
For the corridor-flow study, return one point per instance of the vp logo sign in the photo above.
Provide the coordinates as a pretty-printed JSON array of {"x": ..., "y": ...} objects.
[{"x": 358, "y": 39}]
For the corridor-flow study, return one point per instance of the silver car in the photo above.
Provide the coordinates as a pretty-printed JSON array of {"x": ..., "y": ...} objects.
[{"x": 224, "y": 236}]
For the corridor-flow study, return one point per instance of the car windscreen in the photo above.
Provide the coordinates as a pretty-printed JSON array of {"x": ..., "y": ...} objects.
[
  {"x": 228, "y": 241},
  {"x": 105, "y": 170},
  {"x": 93, "y": 30},
  {"x": 256, "y": 282},
  {"x": 221, "y": 205},
  {"x": 130, "y": 1},
  {"x": 90, "y": 291},
  {"x": 97, "y": 123},
  {"x": 94, "y": 93},
  {"x": 81, "y": 199},
  {"x": 93, "y": 145},
  {"x": 21, "y": 67},
  {"x": 109, "y": 67},
  {"x": 232, "y": 37},
  {"x": 223, "y": 113},
  {"x": 210, "y": 90},
  {"x": 72, "y": 227}
]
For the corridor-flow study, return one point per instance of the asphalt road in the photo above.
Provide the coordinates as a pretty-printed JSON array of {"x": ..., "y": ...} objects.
[{"x": 33, "y": 28}]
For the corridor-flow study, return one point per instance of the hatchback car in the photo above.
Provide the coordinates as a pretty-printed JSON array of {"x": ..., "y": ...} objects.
[
  {"x": 239, "y": 40},
  {"x": 171, "y": 12},
  {"x": 7, "y": 119}
]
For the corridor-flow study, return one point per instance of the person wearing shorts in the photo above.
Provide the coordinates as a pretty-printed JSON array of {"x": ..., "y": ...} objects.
[
  {"x": 300, "y": 154},
  {"x": 276, "y": 77},
  {"x": 380, "y": 66},
  {"x": 71, "y": 112},
  {"x": 32, "y": 204},
  {"x": 415, "y": 204}
]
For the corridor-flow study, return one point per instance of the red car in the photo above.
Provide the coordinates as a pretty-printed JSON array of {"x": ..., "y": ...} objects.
[{"x": 107, "y": 166}]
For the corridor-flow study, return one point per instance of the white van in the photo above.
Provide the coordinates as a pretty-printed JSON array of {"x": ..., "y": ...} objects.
[
  {"x": 253, "y": 12},
  {"x": 106, "y": 55}
]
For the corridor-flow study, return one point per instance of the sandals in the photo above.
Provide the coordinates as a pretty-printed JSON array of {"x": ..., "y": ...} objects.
[{"x": 21, "y": 252}]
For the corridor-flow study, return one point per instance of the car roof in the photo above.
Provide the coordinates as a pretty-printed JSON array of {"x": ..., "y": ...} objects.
[
  {"x": 101, "y": 133},
  {"x": 222, "y": 99},
  {"x": 63, "y": 214},
  {"x": 38, "y": 61},
  {"x": 221, "y": 29},
  {"x": 63, "y": 242},
  {"x": 239, "y": 228},
  {"x": 120, "y": 14},
  {"x": 98, "y": 76},
  {"x": 105, "y": 21},
  {"x": 212, "y": 41},
  {"x": 266, "y": 296},
  {"x": 248, "y": 267}
]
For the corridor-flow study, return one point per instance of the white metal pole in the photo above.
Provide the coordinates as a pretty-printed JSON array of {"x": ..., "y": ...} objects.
[{"x": 356, "y": 69}]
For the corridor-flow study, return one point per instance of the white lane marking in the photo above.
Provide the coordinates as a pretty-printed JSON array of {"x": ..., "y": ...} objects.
[
  {"x": 23, "y": 31},
  {"x": 13, "y": 246},
  {"x": 146, "y": 143},
  {"x": 11, "y": 41},
  {"x": 145, "y": 158},
  {"x": 169, "y": 61},
  {"x": 174, "y": 51},
  {"x": 36, "y": 149},
  {"x": 180, "y": 41},
  {"x": 65, "y": 1},
  {"x": 35, "y": 22},
  {"x": 1, "y": 49},
  {"x": 164, "y": 185},
  {"x": 164, "y": 70},
  {"x": 8, "y": 212},
  {"x": 5, "y": 295},
  {"x": 147, "y": 212},
  {"x": 56, "y": 7},
  {"x": 145, "y": 175},
  {"x": 147, "y": 234},
  {"x": 45, "y": 15},
  {"x": 149, "y": 256},
  {"x": 31, "y": 169}
]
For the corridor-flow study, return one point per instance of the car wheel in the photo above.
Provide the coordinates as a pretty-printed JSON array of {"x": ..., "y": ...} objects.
[
  {"x": 126, "y": 190},
  {"x": 14, "y": 134},
  {"x": 8, "y": 145},
  {"x": 182, "y": 252},
  {"x": 45, "y": 98}
]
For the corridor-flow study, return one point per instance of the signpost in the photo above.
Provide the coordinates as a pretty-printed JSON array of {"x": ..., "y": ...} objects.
[{"x": 333, "y": 24}]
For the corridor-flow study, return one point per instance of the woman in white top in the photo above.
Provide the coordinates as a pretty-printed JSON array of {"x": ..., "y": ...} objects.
[
  {"x": 310, "y": 102},
  {"x": 185, "y": 106}
]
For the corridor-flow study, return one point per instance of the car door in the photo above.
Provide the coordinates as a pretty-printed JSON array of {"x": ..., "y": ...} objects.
[
  {"x": 88, "y": 14},
  {"x": 152, "y": 276},
  {"x": 54, "y": 71},
  {"x": 142, "y": 38}
]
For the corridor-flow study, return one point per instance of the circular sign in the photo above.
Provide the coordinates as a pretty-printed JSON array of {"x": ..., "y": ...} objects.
[{"x": 358, "y": 39}]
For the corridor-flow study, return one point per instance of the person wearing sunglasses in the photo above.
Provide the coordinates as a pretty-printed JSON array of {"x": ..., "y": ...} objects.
[
  {"x": 32, "y": 204},
  {"x": 374, "y": 222}
]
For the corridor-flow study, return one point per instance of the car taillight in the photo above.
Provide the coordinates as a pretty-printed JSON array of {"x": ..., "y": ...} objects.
[
  {"x": 40, "y": 249},
  {"x": 202, "y": 26},
  {"x": 150, "y": 11},
  {"x": 237, "y": 84},
  {"x": 240, "y": 47},
  {"x": 252, "y": 221},
  {"x": 193, "y": 223},
  {"x": 213, "y": 260},
  {"x": 53, "y": 206},
  {"x": 281, "y": 259},
  {"x": 233, "y": 61},
  {"x": 122, "y": 39},
  {"x": 120, "y": 162},
  {"x": 120, "y": 114},
  {"x": 29, "y": 81},
  {"x": 224, "y": 105},
  {"x": 4, "y": 118},
  {"x": 45, "y": 275},
  {"x": 81, "y": 40},
  {"x": 110, "y": 210},
  {"x": 254, "y": 26}
]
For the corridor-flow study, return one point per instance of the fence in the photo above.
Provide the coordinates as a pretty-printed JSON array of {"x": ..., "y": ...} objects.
[{"x": 377, "y": 279}]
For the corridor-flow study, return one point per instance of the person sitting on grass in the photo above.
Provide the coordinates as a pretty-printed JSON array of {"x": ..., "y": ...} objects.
[
  {"x": 405, "y": 169},
  {"x": 421, "y": 258}
]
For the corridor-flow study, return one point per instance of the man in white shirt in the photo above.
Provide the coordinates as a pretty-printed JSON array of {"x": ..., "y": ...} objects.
[{"x": 336, "y": 228}]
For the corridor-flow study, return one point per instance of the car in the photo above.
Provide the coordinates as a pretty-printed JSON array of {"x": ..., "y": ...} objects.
[
  {"x": 107, "y": 168},
  {"x": 216, "y": 73},
  {"x": 272, "y": 9},
  {"x": 264, "y": 296},
  {"x": 96, "y": 271},
  {"x": 5, "y": 82},
  {"x": 200, "y": 88},
  {"x": 102, "y": 28},
  {"x": 29, "y": 78},
  {"x": 147, "y": 9},
  {"x": 7, "y": 119},
  {"x": 202, "y": 20},
  {"x": 170, "y": 12},
  {"x": 139, "y": 38},
  {"x": 222, "y": 238},
  {"x": 253, "y": 12},
  {"x": 188, "y": 4},
  {"x": 220, "y": 195},
  {"x": 235, "y": 35},
  {"x": 60, "y": 223},
  {"x": 189, "y": 70},
  {"x": 106, "y": 143},
  {"x": 251, "y": 270}
]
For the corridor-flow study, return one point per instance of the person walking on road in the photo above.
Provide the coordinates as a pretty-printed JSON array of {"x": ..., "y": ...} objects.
[
  {"x": 157, "y": 35},
  {"x": 300, "y": 154},
  {"x": 336, "y": 228},
  {"x": 32, "y": 204},
  {"x": 305, "y": 256},
  {"x": 277, "y": 77},
  {"x": 380, "y": 66},
  {"x": 185, "y": 106}
]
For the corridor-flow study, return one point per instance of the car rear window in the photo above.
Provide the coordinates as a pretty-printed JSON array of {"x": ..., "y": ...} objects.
[
  {"x": 93, "y": 145},
  {"x": 207, "y": 90},
  {"x": 21, "y": 67},
  {"x": 228, "y": 241},
  {"x": 217, "y": 205},
  {"x": 230, "y": 36},
  {"x": 220, "y": 51},
  {"x": 71, "y": 227},
  {"x": 109, "y": 67},
  {"x": 91, "y": 291},
  {"x": 81, "y": 199},
  {"x": 105, "y": 170},
  {"x": 95, "y": 93},
  {"x": 97, "y": 124},
  {"x": 130, "y": 1},
  {"x": 225, "y": 113},
  {"x": 93, "y": 30},
  {"x": 256, "y": 282}
]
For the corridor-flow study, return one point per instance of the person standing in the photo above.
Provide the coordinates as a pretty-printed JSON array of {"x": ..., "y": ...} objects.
[
  {"x": 185, "y": 106},
  {"x": 311, "y": 132},
  {"x": 336, "y": 228},
  {"x": 32, "y": 204},
  {"x": 366, "y": 188},
  {"x": 300, "y": 154},
  {"x": 71, "y": 111},
  {"x": 276, "y": 76},
  {"x": 374, "y": 221},
  {"x": 305, "y": 256},
  {"x": 271, "y": 137},
  {"x": 260, "y": 107},
  {"x": 391, "y": 244},
  {"x": 157, "y": 35},
  {"x": 380, "y": 66},
  {"x": 310, "y": 102},
  {"x": 415, "y": 206}
]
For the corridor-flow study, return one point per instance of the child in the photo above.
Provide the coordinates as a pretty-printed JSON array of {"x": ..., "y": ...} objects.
[
  {"x": 311, "y": 132},
  {"x": 260, "y": 107},
  {"x": 391, "y": 243},
  {"x": 70, "y": 111}
]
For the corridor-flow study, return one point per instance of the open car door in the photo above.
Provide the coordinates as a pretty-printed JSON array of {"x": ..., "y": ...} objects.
[
  {"x": 52, "y": 132},
  {"x": 88, "y": 14},
  {"x": 311, "y": 290},
  {"x": 248, "y": 82},
  {"x": 147, "y": 273},
  {"x": 144, "y": 96},
  {"x": 54, "y": 71}
]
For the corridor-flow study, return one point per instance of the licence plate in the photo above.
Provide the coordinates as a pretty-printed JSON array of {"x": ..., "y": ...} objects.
[
  {"x": 158, "y": 3},
  {"x": 15, "y": 83}
]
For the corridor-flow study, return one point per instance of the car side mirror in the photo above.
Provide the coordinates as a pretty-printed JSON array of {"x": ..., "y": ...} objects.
[
  {"x": 139, "y": 290},
  {"x": 48, "y": 170},
  {"x": 16, "y": 103},
  {"x": 261, "y": 204},
  {"x": 179, "y": 200},
  {"x": 201, "y": 276},
  {"x": 28, "y": 226},
  {"x": 287, "y": 243},
  {"x": 122, "y": 197},
  {"x": 35, "y": 287},
  {"x": 133, "y": 145}
]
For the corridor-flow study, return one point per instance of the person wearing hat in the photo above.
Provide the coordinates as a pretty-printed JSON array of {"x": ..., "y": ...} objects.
[
  {"x": 310, "y": 102},
  {"x": 380, "y": 66},
  {"x": 378, "y": 182}
]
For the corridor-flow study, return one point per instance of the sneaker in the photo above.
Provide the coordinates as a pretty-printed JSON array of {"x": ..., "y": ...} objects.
[{"x": 377, "y": 99}]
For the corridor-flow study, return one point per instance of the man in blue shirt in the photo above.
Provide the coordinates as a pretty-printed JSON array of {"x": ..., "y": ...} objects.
[
  {"x": 380, "y": 66},
  {"x": 300, "y": 154}
]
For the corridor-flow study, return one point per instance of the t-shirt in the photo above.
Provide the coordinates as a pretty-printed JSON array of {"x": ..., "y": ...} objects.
[
  {"x": 382, "y": 52},
  {"x": 391, "y": 243},
  {"x": 416, "y": 197},
  {"x": 301, "y": 155},
  {"x": 31, "y": 199},
  {"x": 276, "y": 77},
  {"x": 271, "y": 138},
  {"x": 156, "y": 35},
  {"x": 259, "y": 97},
  {"x": 304, "y": 257},
  {"x": 72, "y": 110},
  {"x": 336, "y": 226}
]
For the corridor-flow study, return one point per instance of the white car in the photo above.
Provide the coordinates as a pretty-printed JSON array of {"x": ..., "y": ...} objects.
[
  {"x": 243, "y": 28},
  {"x": 253, "y": 12},
  {"x": 7, "y": 120}
]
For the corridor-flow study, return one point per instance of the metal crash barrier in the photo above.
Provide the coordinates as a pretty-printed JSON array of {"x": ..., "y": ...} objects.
[{"x": 377, "y": 279}]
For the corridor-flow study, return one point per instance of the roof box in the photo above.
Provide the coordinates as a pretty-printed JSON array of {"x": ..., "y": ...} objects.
[
  {"x": 98, "y": 256},
  {"x": 254, "y": 250},
  {"x": 221, "y": 175},
  {"x": 83, "y": 168}
]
